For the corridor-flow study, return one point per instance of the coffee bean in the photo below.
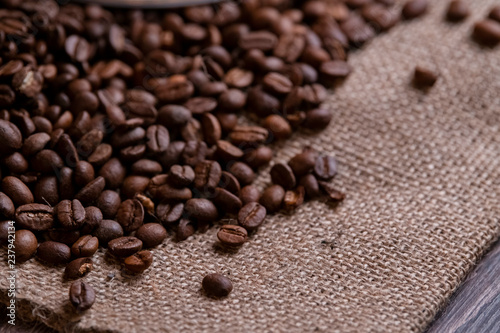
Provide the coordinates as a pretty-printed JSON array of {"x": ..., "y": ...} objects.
[
  {"x": 232, "y": 235},
  {"x": 77, "y": 48},
  {"x": 46, "y": 161},
  {"x": 139, "y": 262},
  {"x": 272, "y": 198},
  {"x": 487, "y": 32},
  {"x": 495, "y": 13},
  {"x": 35, "y": 143},
  {"x": 172, "y": 116},
  {"x": 130, "y": 215},
  {"x": 202, "y": 210},
  {"x": 167, "y": 191},
  {"x": 212, "y": 131},
  {"x": 231, "y": 100},
  {"x": 317, "y": 119},
  {"x": 310, "y": 184},
  {"x": 248, "y": 135},
  {"x": 54, "y": 253},
  {"x": 261, "y": 40},
  {"x": 249, "y": 193},
  {"x": 17, "y": 191},
  {"x": 277, "y": 126},
  {"x": 36, "y": 217},
  {"x": 226, "y": 201},
  {"x": 258, "y": 157},
  {"x": 424, "y": 78},
  {"x": 333, "y": 194},
  {"x": 107, "y": 231},
  {"x": 185, "y": 229},
  {"x": 78, "y": 268},
  {"x": 7, "y": 209},
  {"x": 85, "y": 246},
  {"x": 124, "y": 246},
  {"x": 16, "y": 163},
  {"x": 81, "y": 295},
  {"x": 457, "y": 10},
  {"x": 93, "y": 217},
  {"x": 262, "y": 103},
  {"x": 113, "y": 172},
  {"x": 66, "y": 187},
  {"x": 91, "y": 192},
  {"x": 251, "y": 216},
  {"x": 227, "y": 151},
  {"x": 380, "y": 16},
  {"x": 325, "y": 167},
  {"x": 357, "y": 30},
  {"x": 174, "y": 91},
  {"x": 70, "y": 214},
  {"x": 229, "y": 183},
  {"x": 242, "y": 172},
  {"x": 151, "y": 234},
  {"x": 282, "y": 174},
  {"x": 304, "y": 162},
  {"x": 158, "y": 139},
  {"x": 414, "y": 8},
  {"x": 181, "y": 175},
  {"x": 25, "y": 244},
  {"x": 146, "y": 167},
  {"x": 84, "y": 173},
  {"x": 169, "y": 213},
  {"x": 207, "y": 175},
  {"x": 294, "y": 198},
  {"x": 108, "y": 203},
  {"x": 101, "y": 154},
  {"x": 194, "y": 152},
  {"x": 335, "y": 69}
]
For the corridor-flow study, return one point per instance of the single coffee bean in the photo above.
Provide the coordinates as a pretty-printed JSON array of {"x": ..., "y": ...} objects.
[
  {"x": 333, "y": 194},
  {"x": 185, "y": 229},
  {"x": 26, "y": 244},
  {"x": 261, "y": 40},
  {"x": 70, "y": 214},
  {"x": 379, "y": 16},
  {"x": 277, "y": 83},
  {"x": 124, "y": 246},
  {"x": 278, "y": 127},
  {"x": 89, "y": 142},
  {"x": 146, "y": 167},
  {"x": 272, "y": 198},
  {"x": 47, "y": 161},
  {"x": 35, "y": 143},
  {"x": 36, "y": 217},
  {"x": 248, "y": 135},
  {"x": 78, "y": 268},
  {"x": 202, "y": 210},
  {"x": 357, "y": 30},
  {"x": 226, "y": 201},
  {"x": 130, "y": 215},
  {"x": 158, "y": 139},
  {"x": 84, "y": 173},
  {"x": 424, "y": 78},
  {"x": 249, "y": 193},
  {"x": 317, "y": 119},
  {"x": 414, "y": 8},
  {"x": 113, "y": 172},
  {"x": 10, "y": 136},
  {"x": 7, "y": 209},
  {"x": 151, "y": 234},
  {"x": 139, "y": 262},
  {"x": 133, "y": 185},
  {"x": 81, "y": 295},
  {"x": 101, "y": 154},
  {"x": 169, "y": 213},
  {"x": 232, "y": 235},
  {"x": 16, "y": 163},
  {"x": 46, "y": 190},
  {"x": 251, "y": 216},
  {"x": 227, "y": 151},
  {"x": 487, "y": 32},
  {"x": 325, "y": 167},
  {"x": 108, "y": 203},
  {"x": 173, "y": 116},
  {"x": 107, "y": 231},
  {"x": 303, "y": 163},
  {"x": 311, "y": 186},
  {"x": 17, "y": 191},
  {"x": 212, "y": 130},
  {"x": 67, "y": 237},
  {"x": 242, "y": 172},
  {"x": 457, "y": 10},
  {"x": 217, "y": 285},
  {"x": 258, "y": 157},
  {"x": 229, "y": 183},
  {"x": 93, "y": 217},
  {"x": 294, "y": 198},
  {"x": 181, "y": 175},
  {"x": 168, "y": 192},
  {"x": 91, "y": 192},
  {"x": 85, "y": 246},
  {"x": 194, "y": 152},
  {"x": 207, "y": 175},
  {"x": 283, "y": 175},
  {"x": 54, "y": 253},
  {"x": 231, "y": 100}
]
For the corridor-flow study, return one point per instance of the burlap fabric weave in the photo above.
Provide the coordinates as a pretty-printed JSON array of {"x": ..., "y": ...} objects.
[{"x": 422, "y": 177}]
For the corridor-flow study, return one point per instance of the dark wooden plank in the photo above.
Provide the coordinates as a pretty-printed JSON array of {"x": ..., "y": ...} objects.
[{"x": 475, "y": 306}]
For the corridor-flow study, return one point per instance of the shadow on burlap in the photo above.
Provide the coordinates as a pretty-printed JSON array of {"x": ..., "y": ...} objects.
[{"x": 422, "y": 177}]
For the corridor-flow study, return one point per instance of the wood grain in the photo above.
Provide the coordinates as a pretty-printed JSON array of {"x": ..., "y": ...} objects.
[{"x": 475, "y": 306}]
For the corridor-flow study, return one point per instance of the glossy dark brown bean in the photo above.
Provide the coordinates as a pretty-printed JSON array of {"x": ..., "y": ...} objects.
[
  {"x": 85, "y": 246},
  {"x": 242, "y": 172},
  {"x": 168, "y": 192},
  {"x": 107, "y": 231},
  {"x": 207, "y": 175},
  {"x": 311, "y": 186},
  {"x": 202, "y": 210},
  {"x": 181, "y": 175},
  {"x": 46, "y": 190},
  {"x": 81, "y": 296},
  {"x": 130, "y": 215},
  {"x": 7, "y": 209},
  {"x": 158, "y": 139},
  {"x": 83, "y": 173},
  {"x": 124, "y": 246},
  {"x": 304, "y": 162},
  {"x": 278, "y": 127},
  {"x": 78, "y": 268},
  {"x": 325, "y": 167},
  {"x": 35, "y": 143},
  {"x": 251, "y": 216},
  {"x": 212, "y": 131},
  {"x": 272, "y": 198},
  {"x": 169, "y": 213},
  {"x": 10, "y": 136},
  {"x": 424, "y": 78},
  {"x": 317, "y": 119},
  {"x": 54, "y": 253},
  {"x": 414, "y": 8},
  {"x": 294, "y": 198},
  {"x": 185, "y": 229},
  {"x": 457, "y": 10},
  {"x": 133, "y": 185},
  {"x": 249, "y": 193},
  {"x": 139, "y": 262},
  {"x": 227, "y": 151},
  {"x": 282, "y": 174},
  {"x": 194, "y": 152},
  {"x": 333, "y": 194},
  {"x": 91, "y": 192},
  {"x": 151, "y": 234},
  {"x": 70, "y": 214},
  {"x": 226, "y": 201},
  {"x": 248, "y": 135},
  {"x": 232, "y": 235},
  {"x": 26, "y": 244},
  {"x": 108, "y": 203},
  {"x": 16, "y": 163},
  {"x": 113, "y": 172},
  {"x": 36, "y": 217},
  {"x": 17, "y": 191},
  {"x": 217, "y": 285},
  {"x": 258, "y": 157}
]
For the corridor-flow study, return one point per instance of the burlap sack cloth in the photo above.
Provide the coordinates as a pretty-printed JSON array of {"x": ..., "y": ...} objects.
[{"x": 422, "y": 177}]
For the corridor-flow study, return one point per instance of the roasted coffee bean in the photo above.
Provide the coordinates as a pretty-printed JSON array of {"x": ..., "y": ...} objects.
[
  {"x": 168, "y": 192},
  {"x": 46, "y": 161},
  {"x": 89, "y": 142},
  {"x": 35, "y": 143},
  {"x": 151, "y": 234},
  {"x": 310, "y": 184},
  {"x": 26, "y": 244},
  {"x": 457, "y": 10},
  {"x": 107, "y": 231},
  {"x": 130, "y": 215},
  {"x": 357, "y": 30},
  {"x": 262, "y": 103},
  {"x": 113, "y": 171},
  {"x": 261, "y": 40},
  {"x": 93, "y": 217},
  {"x": 495, "y": 13},
  {"x": 81, "y": 295},
  {"x": 276, "y": 83},
  {"x": 78, "y": 268},
  {"x": 66, "y": 187},
  {"x": 139, "y": 262},
  {"x": 226, "y": 201},
  {"x": 227, "y": 151},
  {"x": 217, "y": 285},
  {"x": 272, "y": 198},
  {"x": 212, "y": 131},
  {"x": 46, "y": 190},
  {"x": 108, "y": 203},
  {"x": 251, "y": 216},
  {"x": 169, "y": 213},
  {"x": 232, "y": 235},
  {"x": 202, "y": 210},
  {"x": 380, "y": 16},
  {"x": 242, "y": 172},
  {"x": 17, "y": 191},
  {"x": 414, "y": 8},
  {"x": 101, "y": 154},
  {"x": 248, "y": 135},
  {"x": 172, "y": 116},
  {"x": 16, "y": 163},
  {"x": 231, "y": 100},
  {"x": 278, "y": 127},
  {"x": 124, "y": 246},
  {"x": 133, "y": 185},
  {"x": 333, "y": 194},
  {"x": 181, "y": 175},
  {"x": 207, "y": 175},
  {"x": 70, "y": 214},
  {"x": 36, "y": 217},
  {"x": 325, "y": 167},
  {"x": 85, "y": 246},
  {"x": 249, "y": 193},
  {"x": 304, "y": 162},
  {"x": 201, "y": 105},
  {"x": 194, "y": 152},
  {"x": 258, "y": 157},
  {"x": 335, "y": 69},
  {"x": 487, "y": 32},
  {"x": 7, "y": 209},
  {"x": 54, "y": 253},
  {"x": 424, "y": 78},
  {"x": 158, "y": 139},
  {"x": 6, "y": 227},
  {"x": 294, "y": 198},
  {"x": 146, "y": 167},
  {"x": 185, "y": 229},
  {"x": 317, "y": 119},
  {"x": 84, "y": 173},
  {"x": 66, "y": 150},
  {"x": 282, "y": 174},
  {"x": 91, "y": 192},
  {"x": 192, "y": 131},
  {"x": 229, "y": 182}
]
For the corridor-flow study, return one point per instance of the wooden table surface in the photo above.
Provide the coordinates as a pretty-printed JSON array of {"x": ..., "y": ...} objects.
[{"x": 474, "y": 308}]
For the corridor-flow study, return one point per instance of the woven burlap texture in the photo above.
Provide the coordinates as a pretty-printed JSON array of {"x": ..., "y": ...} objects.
[{"x": 422, "y": 177}]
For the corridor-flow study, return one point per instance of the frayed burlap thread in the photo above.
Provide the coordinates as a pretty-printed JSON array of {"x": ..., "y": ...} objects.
[{"x": 422, "y": 177}]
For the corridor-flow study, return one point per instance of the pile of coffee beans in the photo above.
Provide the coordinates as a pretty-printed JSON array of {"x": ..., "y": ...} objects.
[{"x": 118, "y": 128}]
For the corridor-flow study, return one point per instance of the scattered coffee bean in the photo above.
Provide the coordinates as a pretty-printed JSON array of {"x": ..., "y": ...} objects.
[
  {"x": 242, "y": 172},
  {"x": 226, "y": 201},
  {"x": 25, "y": 244},
  {"x": 85, "y": 246},
  {"x": 495, "y": 13},
  {"x": 124, "y": 246},
  {"x": 333, "y": 193},
  {"x": 414, "y": 8},
  {"x": 311, "y": 186},
  {"x": 232, "y": 235},
  {"x": 78, "y": 268},
  {"x": 272, "y": 198},
  {"x": 70, "y": 214},
  {"x": 487, "y": 32},
  {"x": 54, "y": 253},
  {"x": 249, "y": 193},
  {"x": 130, "y": 215},
  {"x": 139, "y": 262},
  {"x": 7, "y": 209},
  {"x": 217, "y": 285},
  {"x": 294, "y": 198},
  {"x": 251, "y": 216},
  {"x": 424, "y": 77},
  {"x": 151, "y": 234},
  {"x": 325, "y": 167},
  {"x": 81, "y": 295},
  {"x": 17, "y": 191},
  {"x": 185, "y": 229},
  {"x": 36, "y": 217},
  {"x": 283, "y": 175},
  {"x": 107, "y": 231},
  {"x": 457, "y": 10}
]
